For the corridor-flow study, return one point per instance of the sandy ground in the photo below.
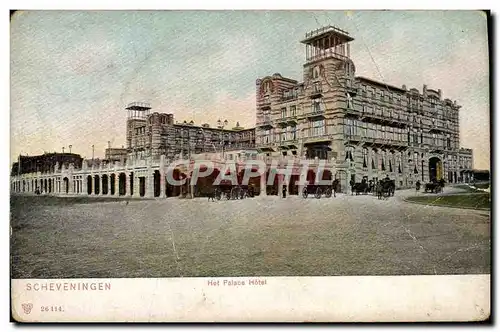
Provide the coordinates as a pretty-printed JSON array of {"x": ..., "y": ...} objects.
[{"x": 346, "y": 235}]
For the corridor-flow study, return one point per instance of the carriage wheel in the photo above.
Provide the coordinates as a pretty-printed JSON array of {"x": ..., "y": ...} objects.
[
  {"x": 304, "y": 193},
  {"x": 328, "y": 193},
  {"x": 318, "y": 193}
]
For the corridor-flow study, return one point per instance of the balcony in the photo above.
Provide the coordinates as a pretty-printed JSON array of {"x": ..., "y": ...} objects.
[
  {"x": 384, "y": 120},
  {"x": 287, "y": 120},
  {"x": 353, "y": 138},
  {"x": 264, "y": 123},
  {"x": 265, "y": 104},
  {"x": 316, "y": 113},
  {"x": 289, "y": 143},
  {"x": 289, "y": 97},
  {"x": 384, "y": 143},
  {"x": 352, "y": 111},
  {"x": 352, "y": 89},
  {"x": 316, "y": 139},
  {"x": 317, "y": 91}
]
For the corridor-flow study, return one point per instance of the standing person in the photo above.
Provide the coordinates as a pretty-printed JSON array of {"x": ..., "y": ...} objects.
[
  {"x": 352, "y": 186},
  {"x": 335, "y": 187},
  {"x": 417, "y": 186},
  {"x": 284, "y": 191}
]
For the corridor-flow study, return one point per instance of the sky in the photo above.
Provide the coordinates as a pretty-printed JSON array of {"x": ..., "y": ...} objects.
[{"x": 73, "y": 72}]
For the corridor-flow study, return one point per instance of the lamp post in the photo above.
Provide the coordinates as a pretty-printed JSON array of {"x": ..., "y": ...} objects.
[
  {"x": 70, "y": 146},
  {"x": 221, "y": 126},
  {"x": 92, "y": 155},
  {"x": 63, "y": 149}
]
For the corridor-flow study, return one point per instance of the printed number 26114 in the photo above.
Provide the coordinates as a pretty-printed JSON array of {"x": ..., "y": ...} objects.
[{"x": 52, "y": 308}]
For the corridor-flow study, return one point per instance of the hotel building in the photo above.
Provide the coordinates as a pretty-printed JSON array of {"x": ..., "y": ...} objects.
[{"x": 369, "y": 128}]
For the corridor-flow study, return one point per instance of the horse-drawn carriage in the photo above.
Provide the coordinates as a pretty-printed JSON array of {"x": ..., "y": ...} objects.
[
  {"x": 434, "y": 187},
  {"x": 362, "y": 187},
  {"x": 319, "y": 190},
  {"x": 231, "y": 192},
  {"x": 385, "y": 188}
]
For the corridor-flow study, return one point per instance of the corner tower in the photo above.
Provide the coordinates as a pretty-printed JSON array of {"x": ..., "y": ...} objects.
[{"x": 328, "y": 56}]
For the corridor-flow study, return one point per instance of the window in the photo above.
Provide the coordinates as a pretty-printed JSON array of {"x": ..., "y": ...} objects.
[
  {"x": 293, "y": 133},
  {"x": 316, "y": 72},
  {"x": 316, "y": 106},
  {"x": 383, "y": 160},
  {"x": 283, "y": 136},
  {"x": 349, "y": 127},
  {"x": 349, "y": 151},
  {"x": 374, "y": 159},
  {"x": 448, "y": 142},
  {"x": 361, "y": 127},
  {"x": 283, "y": 112},
  {"x": 318, "y": 128},
  {"x": 317, "y": 87},
  {"x": 365, "y": 157},
  {"x": 349, "y": 100},
  {"x": 370, "y": 93},
  {"x": 293, "y": 110},
  {"x": 391, "y": 156}
]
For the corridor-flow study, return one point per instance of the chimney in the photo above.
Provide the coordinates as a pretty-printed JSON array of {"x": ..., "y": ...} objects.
[
  {"x": 424, "y": 91},
  {"x": 404, "y": 87},
  {"x": 439, "y": 93}
]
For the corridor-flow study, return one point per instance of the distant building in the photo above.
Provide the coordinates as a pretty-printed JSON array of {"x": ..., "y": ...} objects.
[
  {"x": 45, "y": 163},
  {"x": 150, "y": 135},
  {"x": 115, "y": 154}
]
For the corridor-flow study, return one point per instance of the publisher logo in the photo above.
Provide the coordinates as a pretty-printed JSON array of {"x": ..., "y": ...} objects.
[{"x": 27, "y": 308}]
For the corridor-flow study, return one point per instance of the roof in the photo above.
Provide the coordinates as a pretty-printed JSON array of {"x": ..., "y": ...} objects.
[
  {"x": 381, "y": 84},
  {"x": 325, "y": 31}
]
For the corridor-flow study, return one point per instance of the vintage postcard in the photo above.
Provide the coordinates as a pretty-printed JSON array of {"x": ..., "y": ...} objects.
[{"x": 250, "y": 166}]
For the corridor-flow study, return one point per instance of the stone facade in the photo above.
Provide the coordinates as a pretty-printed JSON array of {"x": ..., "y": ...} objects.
[
  {"x": 353, "y": 126},
  {"x": 370, "y": 128}
]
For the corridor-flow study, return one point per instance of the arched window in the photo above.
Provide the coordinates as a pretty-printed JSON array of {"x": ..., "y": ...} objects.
[
  {"x": 391, "y": 156},
  {"x": 349, "y": 151},
  {"x": 399, "y": 164},
  {"x": 383, "y": 160},
  {"x": 365, "y": 157}
]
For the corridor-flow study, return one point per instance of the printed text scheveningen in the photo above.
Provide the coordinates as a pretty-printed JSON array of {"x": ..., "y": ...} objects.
[{"x": 68, "y": 286}]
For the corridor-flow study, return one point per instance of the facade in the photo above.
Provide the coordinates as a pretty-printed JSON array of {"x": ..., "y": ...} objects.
[
  {"x": 156, "y": 134},
  {"x": 139, "y": 170},
  {"x": 371, "y": 129},
  {"x": 352, "y": 127},
  {"x": 44, "y": 163}
]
